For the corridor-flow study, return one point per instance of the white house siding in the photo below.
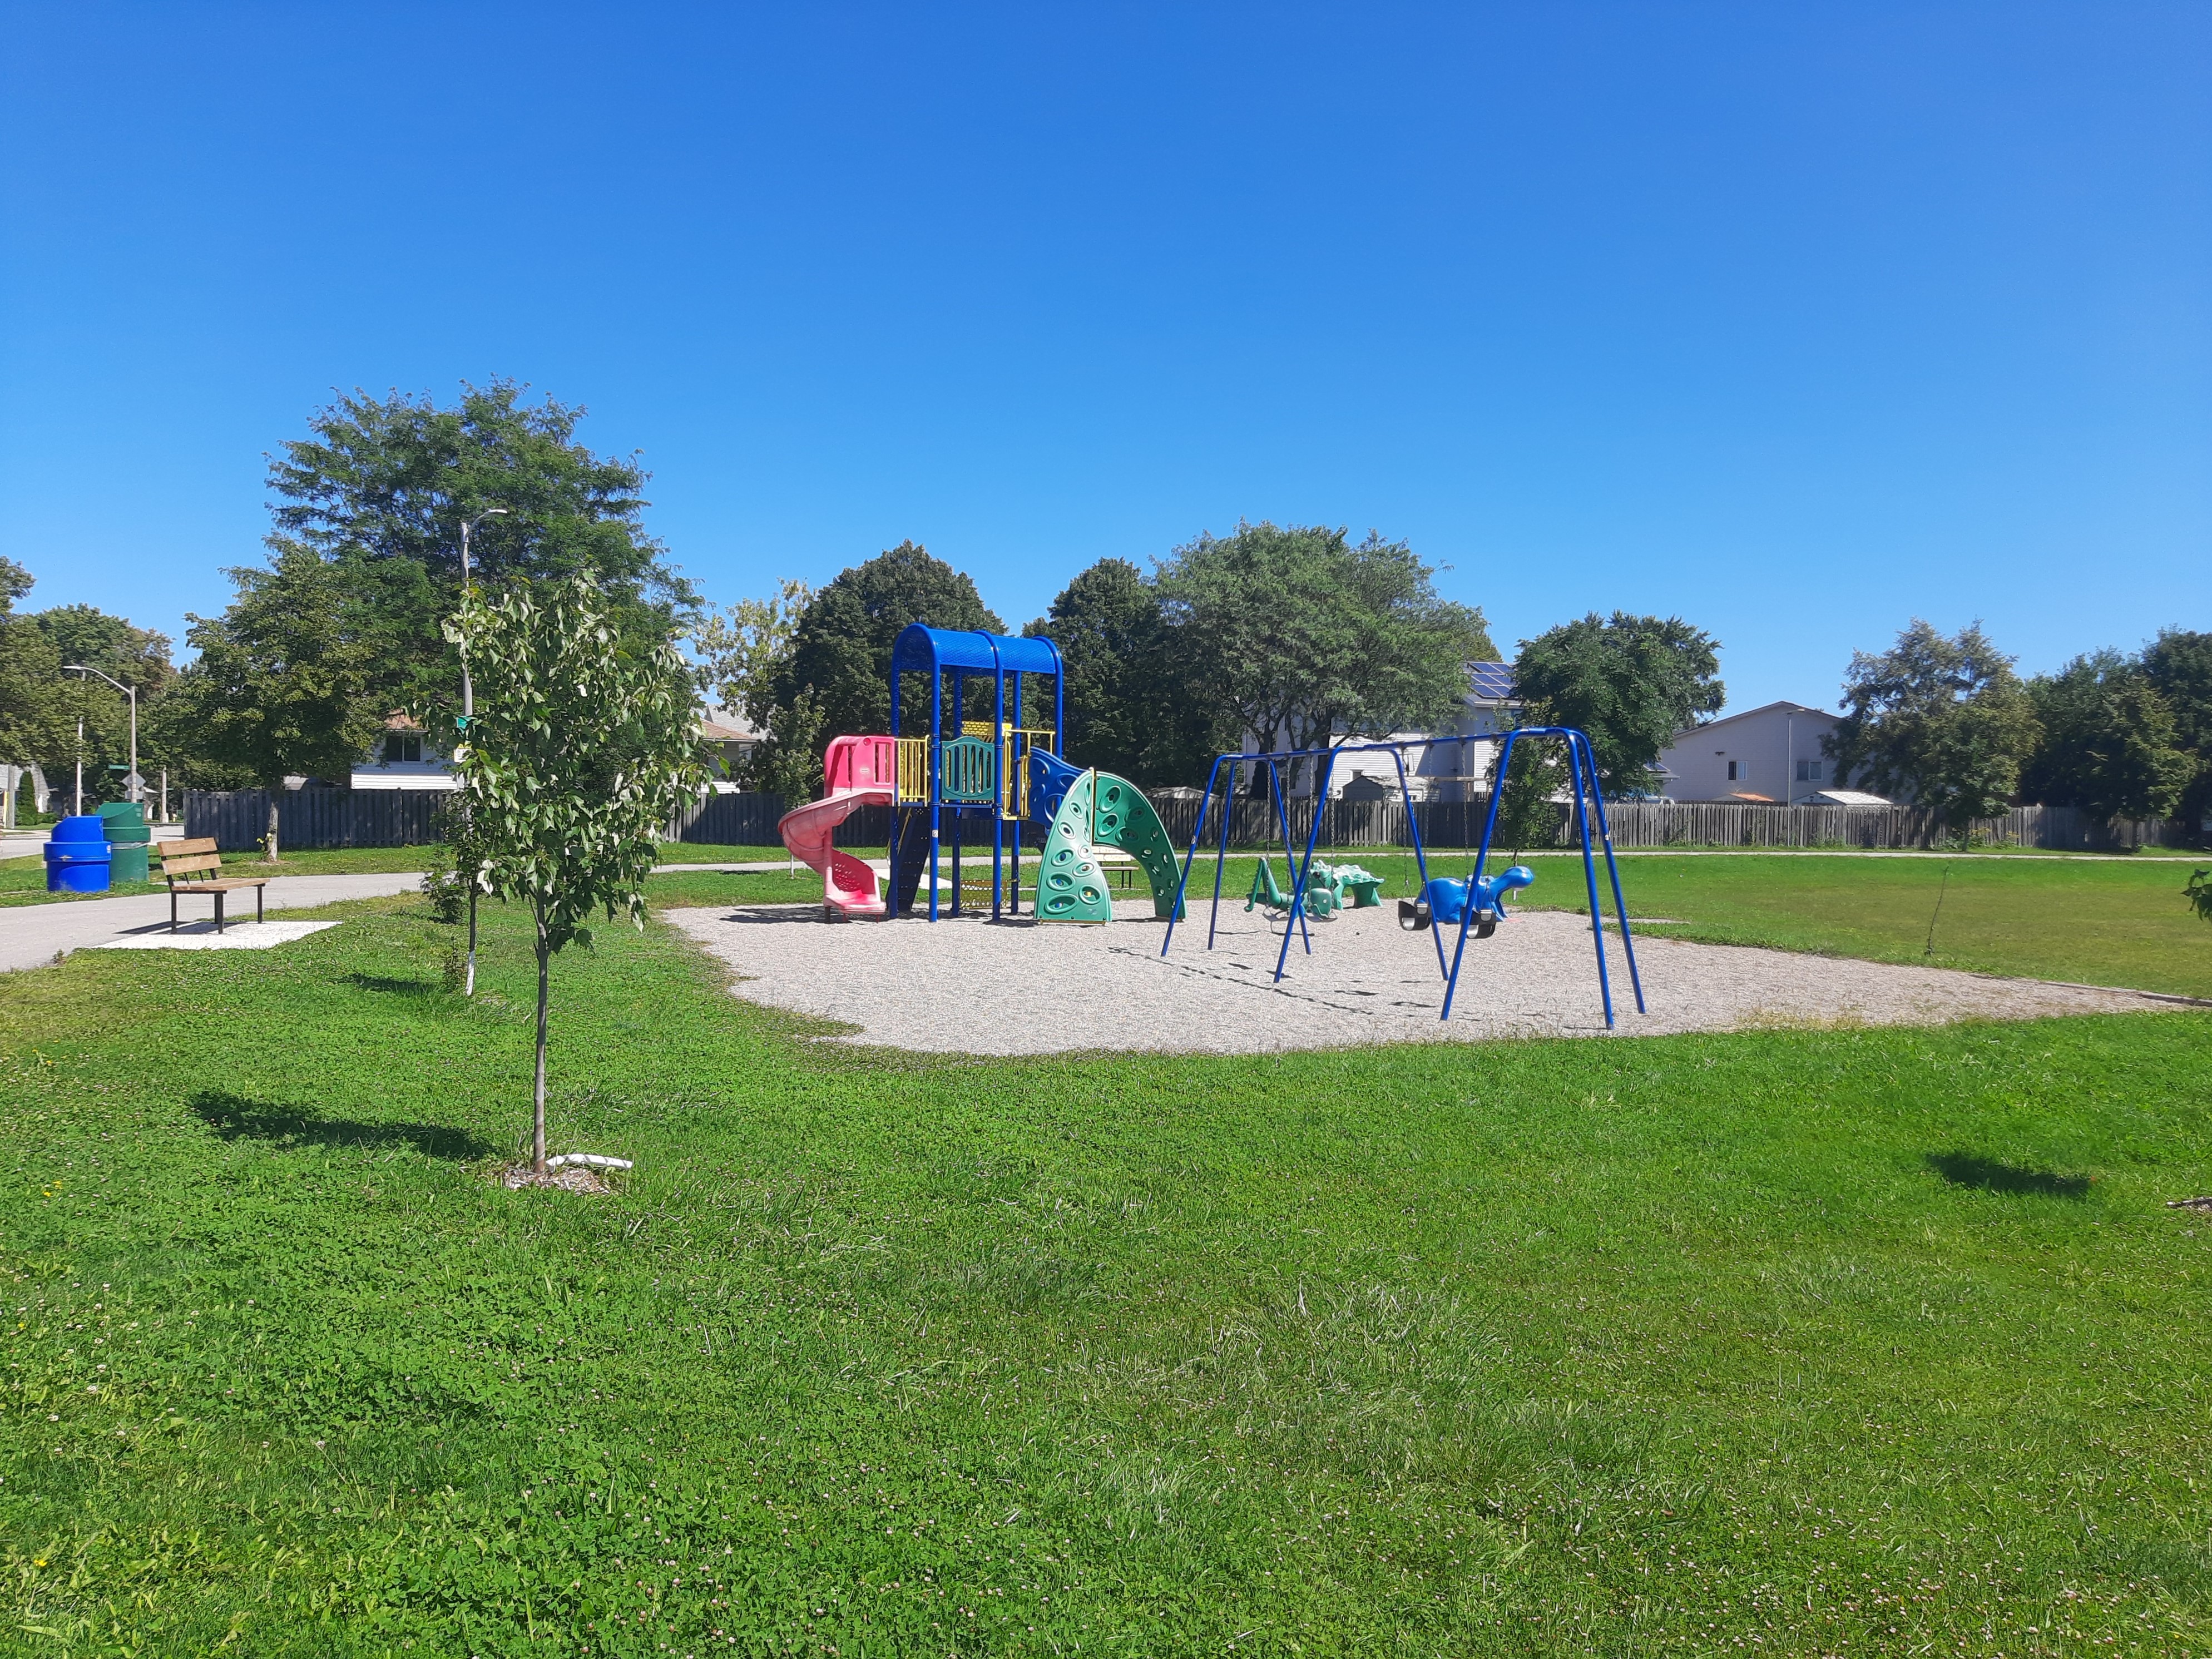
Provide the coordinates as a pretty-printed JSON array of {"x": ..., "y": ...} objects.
[
  {"x": 1776, "y": 751},
  {"x": 1439, "y": 765}
]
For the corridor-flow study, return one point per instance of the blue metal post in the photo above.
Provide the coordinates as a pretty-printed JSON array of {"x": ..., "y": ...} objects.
[
  {"x": 1298, "y": 893},
  {"x": 1290, "y": 859},
  {"x": 1420, "y": 858},
  {"x": 890, "y": 895},
  {"x": 1001, "y": 784},
  {"x": 1221, "y": 853},
  {"x": 1198, "y": 832},
  {"x": 1619, "y": 905},
  {"x": 936, "y": 779},
  {"x": 1481, "y": 854},
  {"x": 1579, "y": 759}
]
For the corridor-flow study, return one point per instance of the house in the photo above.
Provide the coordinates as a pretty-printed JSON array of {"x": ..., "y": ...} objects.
[
  {"x": 1767, "y": 755},
  {"x": 1439, "y": 765},
  {"x": 734, "y": 739},
  {"x": 405, "y": 757}
]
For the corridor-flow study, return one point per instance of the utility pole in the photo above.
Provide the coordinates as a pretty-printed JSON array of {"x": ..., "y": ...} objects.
[{"x": 129, "y": 691}]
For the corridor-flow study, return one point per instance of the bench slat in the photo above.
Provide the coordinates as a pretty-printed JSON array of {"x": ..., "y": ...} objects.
[
  {"x": 197, "y": 844},
  {"x": 223, "y": 886},
  {"x": 180, "y": 867}
]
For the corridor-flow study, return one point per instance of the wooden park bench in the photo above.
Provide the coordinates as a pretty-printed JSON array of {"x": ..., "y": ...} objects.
[{"x": 182, "y": 864}]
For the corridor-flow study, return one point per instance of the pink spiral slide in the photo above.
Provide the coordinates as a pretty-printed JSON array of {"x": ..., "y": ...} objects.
[{"x": 858, "y": 771}]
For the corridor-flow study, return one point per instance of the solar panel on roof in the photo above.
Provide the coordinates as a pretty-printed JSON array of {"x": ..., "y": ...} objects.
[{"x": 1492, "y": 679}]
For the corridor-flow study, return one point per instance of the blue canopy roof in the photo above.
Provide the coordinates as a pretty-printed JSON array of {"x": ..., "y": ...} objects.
[{"x": 923, "y": 650}]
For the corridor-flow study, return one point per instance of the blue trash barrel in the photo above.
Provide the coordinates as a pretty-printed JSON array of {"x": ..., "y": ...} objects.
[{"x": 77, "y": 857}]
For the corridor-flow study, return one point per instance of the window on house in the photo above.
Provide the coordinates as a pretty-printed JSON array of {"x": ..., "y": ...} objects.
[
  {"x": 402, "y": 746},
  {"x": 1731, "y": 771},
  {"x": 1808, "y": 771}
]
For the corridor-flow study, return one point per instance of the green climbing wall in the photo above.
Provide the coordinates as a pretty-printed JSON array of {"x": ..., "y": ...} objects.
[
  {"x": 1122, "y": 817},
  {"x": 1071, "y": 886}
]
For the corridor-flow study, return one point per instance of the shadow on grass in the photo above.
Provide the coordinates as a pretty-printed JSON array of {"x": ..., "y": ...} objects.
[
  {"x": 237, "y": 1118},
  {"x": 399, "y": 988},
  {"x": 1970, "y": 1169}
]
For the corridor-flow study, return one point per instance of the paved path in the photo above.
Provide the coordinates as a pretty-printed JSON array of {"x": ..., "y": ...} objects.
[{"x": 32, "y": 935}]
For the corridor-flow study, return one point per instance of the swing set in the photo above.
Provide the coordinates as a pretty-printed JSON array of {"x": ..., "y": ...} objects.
[{"x": 1475, "y": 902}]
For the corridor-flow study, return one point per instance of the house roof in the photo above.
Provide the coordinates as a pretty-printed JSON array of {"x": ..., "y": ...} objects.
[
  {"x": 1782, "y": 707},
  {"x": 1851, "y": 798},
  {"x": 726, "y": 726},
  {"x": 1749, "y": 799}
]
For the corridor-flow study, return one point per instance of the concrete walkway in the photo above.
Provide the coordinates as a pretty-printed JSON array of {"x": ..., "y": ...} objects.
[{"x": 32, "y": 935}]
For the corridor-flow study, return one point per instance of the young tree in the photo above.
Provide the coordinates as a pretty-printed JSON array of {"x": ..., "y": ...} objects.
[
  {"x": 381, "y": 486},
  {"x": 1945, "y": 721},
  {"x": 836, "y": 678},
  {"x": 2178, "y": 665},
  {"x": 741, "y": 653},
  {"x": 284, "y": 682},
  {"x": 1295, "y": 635},
  {"x": 2107, "y": 742},
  {"x": 585, "y": 744},
  {"x": 1131, "y": 708},
  {"x": 1631, "y": 683}
]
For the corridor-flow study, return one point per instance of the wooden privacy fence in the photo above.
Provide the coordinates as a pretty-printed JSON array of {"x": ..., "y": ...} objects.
[
  {"x": 239, "y": 819},
  {"x": 747, "y": 820},
  {"x": 1659, "y": 825}
]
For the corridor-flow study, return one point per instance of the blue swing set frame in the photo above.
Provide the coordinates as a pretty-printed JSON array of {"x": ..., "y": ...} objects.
[{"x": 1589, "y": 806}]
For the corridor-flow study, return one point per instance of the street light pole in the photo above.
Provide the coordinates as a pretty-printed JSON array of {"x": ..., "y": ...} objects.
[
  {"x": 468, "y": 718},
  {"x": 129, "y": 691}
]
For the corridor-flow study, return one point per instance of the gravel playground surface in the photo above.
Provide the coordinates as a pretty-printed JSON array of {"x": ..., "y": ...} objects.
[{"x": 976, "y": 987}]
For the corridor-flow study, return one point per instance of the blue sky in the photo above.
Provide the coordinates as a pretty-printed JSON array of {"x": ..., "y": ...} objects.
[{"x": 1796, "y": 321}]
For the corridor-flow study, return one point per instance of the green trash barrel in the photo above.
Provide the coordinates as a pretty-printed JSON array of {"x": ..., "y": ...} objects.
[{"x": 122, "y": 825}]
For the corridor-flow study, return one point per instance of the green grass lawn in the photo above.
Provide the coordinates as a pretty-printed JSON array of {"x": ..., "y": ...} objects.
[
  {"x": 1842, "y": 1342},
  {"x": 2100, "y": 921},
  {"x": 23, "y": 881}
]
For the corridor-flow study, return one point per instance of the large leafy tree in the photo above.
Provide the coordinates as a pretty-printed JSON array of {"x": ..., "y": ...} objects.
[
  {"x": 1630, "y": 683},
  {"x": 1131, "y": 707},
  {"x": 741, "y": 651},
  {"x": 2108, "y": 744},
  {"x": 2178, "y": 665},
  {"x": 1941, "y": 719},
  {"x": 586, "y": 743},
  {"x": 836, "y": 677},
  {"x": 139, "y": 658},
  {"x": 286, "y": 681},
  {"x": 36, "y": 725},
  {"x": 380, "y": 488},
  {"x": 1297, "y": 635}
]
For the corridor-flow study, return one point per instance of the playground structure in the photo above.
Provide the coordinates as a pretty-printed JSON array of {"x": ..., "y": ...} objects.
[
  {"x": 961, "y": 780},
  {"x": 1335, "y": 887},
  {"x": 1475, "y": 904}
]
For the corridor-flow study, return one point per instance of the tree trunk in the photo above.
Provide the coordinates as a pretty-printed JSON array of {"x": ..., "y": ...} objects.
[
  {"x": 269, "y": 841},
  {"x": 469, "y": 840},
  {"x": 538, "y": 1097}
]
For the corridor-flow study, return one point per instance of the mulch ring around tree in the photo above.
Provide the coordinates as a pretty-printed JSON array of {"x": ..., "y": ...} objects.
[{"x": 574, "y": 1178}]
